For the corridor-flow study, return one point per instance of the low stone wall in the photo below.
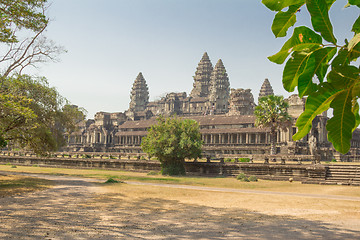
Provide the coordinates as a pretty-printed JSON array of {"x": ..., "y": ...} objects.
[
  {"x": 263, "y": 171},
  {"x": 299, "y": 172}
]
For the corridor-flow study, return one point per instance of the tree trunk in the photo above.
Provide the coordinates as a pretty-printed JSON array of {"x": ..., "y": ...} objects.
[{"x": 273, "y": 142}]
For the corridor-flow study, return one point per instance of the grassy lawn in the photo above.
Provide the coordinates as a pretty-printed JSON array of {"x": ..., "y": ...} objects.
[
  {"x": 223, "y": 182},
  {"x": 12, "y": 185}
]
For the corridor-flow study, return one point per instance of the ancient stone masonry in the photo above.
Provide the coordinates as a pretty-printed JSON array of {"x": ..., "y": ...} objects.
[
  {"x": 139, "y": 95},
  {"x": 241, "y": 102},
  {"x": 219, "y": 89},
  {"x": 226, "y": 120},
  {"x": 202, "y": 78},
  {"x": 266, "y": 89}
]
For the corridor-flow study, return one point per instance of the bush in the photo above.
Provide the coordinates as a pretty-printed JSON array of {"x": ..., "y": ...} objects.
[
  {"x": 228, "y": 160},
  {"x": 86, "y": 156},
  {"x": 35, "y": 165},
  {"x": 253, "y": 179},
  {"x": 334, "y": 160},
  {"x": 112, "y": 157},
  {"x": 112, "y": 180},
  {"x": 13, "y": 166},
  {"x": 244, "y": 159},
  {"x": 242, "y": 177}
]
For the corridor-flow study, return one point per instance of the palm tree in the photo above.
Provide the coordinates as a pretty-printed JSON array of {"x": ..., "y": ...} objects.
[{"x": 272, "y": 113}]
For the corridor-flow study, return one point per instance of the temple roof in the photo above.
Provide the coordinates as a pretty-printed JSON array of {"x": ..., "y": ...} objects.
[{"x": 202, "y": 120}]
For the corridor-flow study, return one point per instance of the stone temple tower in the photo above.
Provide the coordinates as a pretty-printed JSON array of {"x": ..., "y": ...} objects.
[
  {"x": 219, "y": 89},
  {"x": 139, "y": 94},
  {"x": 202, "y": 78},
  {"x": 266, "y": 89}
]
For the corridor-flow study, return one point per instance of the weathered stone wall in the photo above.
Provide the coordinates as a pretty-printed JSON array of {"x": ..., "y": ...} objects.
[{"x": 263, "y": 171}]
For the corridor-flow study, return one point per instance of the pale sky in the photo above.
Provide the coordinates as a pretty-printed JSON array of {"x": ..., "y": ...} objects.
[{"x": 110, "y": 41}]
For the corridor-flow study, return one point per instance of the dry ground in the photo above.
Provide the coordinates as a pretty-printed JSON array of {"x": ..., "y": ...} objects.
[{"x": 77, "y": 208}]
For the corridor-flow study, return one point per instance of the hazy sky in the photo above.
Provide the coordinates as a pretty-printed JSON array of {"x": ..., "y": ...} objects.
[{"x": 110, "y": 41}]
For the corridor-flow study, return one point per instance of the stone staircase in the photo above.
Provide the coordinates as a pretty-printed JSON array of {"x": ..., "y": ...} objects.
[{"x": 342, "y": 175}]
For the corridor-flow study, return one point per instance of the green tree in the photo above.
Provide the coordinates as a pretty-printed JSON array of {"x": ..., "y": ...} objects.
[
  {"x": 172, "y": 140},
  {"x": 19, "y": 14},
  {"x": 271, "y": 112},
  {"x": 319, "y": 67},
  {"x": 33, "y": 115}
]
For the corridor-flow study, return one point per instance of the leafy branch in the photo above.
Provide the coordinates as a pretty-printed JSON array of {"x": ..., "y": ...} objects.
[{"x": 319, "y": 68}]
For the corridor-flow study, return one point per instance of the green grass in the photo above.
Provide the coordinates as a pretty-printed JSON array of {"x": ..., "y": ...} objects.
[{"x": 223, "y": 182}]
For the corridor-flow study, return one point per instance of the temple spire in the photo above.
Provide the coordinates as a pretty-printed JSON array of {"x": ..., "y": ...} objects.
[
  {"x": 220, "y": 88},
  {"x": 202, "y": 77},
  {"x": 266, "y": 89},
  {"x": 139, "y": 94}
]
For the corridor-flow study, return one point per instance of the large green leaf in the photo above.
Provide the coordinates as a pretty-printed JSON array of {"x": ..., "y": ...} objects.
[
  {"x": 342, "y": 58},
  {"x": 284, "y": 20},
  {"x": 355, "y": 2},
  {"x": 323, "y": 57},
  {"x": 316, "y": 104},
  {"x": 293, "y": 69},
  {"x": 305, "y": 82},
  {"x": 356, "y": 26},
  {"x": 355, "y": 110},
  {"x": 343, "y": 77},
  {"x": 317, "y": 63},
  {"x": 353, "y": 42},
  {"x": 302, "y": 38},
  {"x": 340, "y": 126},
  {"x": 276, "y": 5},
  {"x": 320, "y": 20}
]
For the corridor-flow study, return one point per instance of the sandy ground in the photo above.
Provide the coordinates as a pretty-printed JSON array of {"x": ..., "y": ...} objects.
[{"x": 78, "y": 208}]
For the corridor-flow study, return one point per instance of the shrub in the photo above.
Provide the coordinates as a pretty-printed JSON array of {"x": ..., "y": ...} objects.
[
  {"x": 244, "y": 159},
  {"x": 242, "y": 177},
  {"x": 13, "y": 166},
  {"x": 227, "y": 160},
  {"x": 86, "y": 156},
  {"x": 112, "y": 157},
  {"x": 112, "y": 180},
  {"x": 334, "y": 160},
  {"x": 253, "y": 179},
  {"x": 35, "y": 165}
]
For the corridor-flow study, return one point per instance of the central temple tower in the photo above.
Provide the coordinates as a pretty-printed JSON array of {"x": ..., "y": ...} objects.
[
  {"x": 219, "y": 89},
  {"x": 202, "y": 78}
]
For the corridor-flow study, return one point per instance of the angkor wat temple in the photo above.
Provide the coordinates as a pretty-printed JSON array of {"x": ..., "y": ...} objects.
[{"x": 225, "y": 116}]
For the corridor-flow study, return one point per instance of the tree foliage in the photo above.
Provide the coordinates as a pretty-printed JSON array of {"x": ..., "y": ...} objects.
[
  {"x": 271, "y": 112},
  {"x": 34, "y": 115},
  {"x": 19, "y": 14},
  {"x": 319, "y": 67},
  {"x": 172, "y": 140}
]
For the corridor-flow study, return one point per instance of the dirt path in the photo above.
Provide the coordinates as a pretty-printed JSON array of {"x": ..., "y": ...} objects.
[{"x": 77, "y": 208}]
